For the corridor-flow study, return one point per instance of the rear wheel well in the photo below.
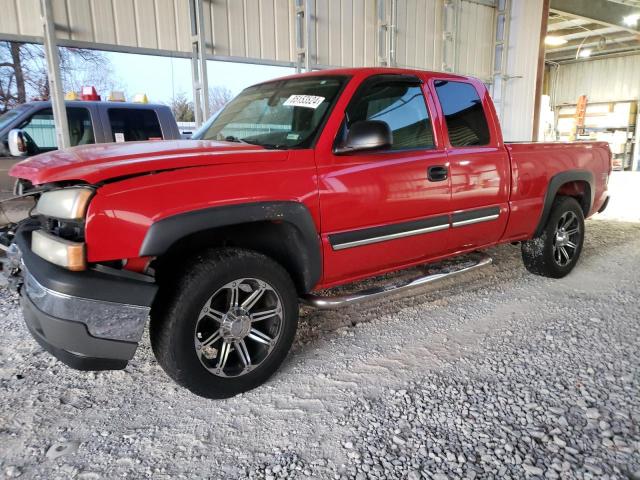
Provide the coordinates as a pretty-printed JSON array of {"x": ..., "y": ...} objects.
[
  {"x": 280, "y": 241},
  {"x": 580, "y": 190}
]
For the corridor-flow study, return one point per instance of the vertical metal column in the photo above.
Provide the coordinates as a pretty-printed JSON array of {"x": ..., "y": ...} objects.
[
  {"x": 449, "y": 33},
  {"x": 635, "y": 162},
  {"x": 500, "y": 55},
  {"x": 386, "y": 33},
  {"x": 301, "y": 32},
  {"x": 393, "y": 33},
  {"x": 383, "y": 29},
  {"x": 198, "y": 63},
  {"x": 53, "y": 72}
]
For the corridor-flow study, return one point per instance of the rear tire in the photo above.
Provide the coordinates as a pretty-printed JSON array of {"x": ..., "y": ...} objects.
[
  {"x": 556, "y": 251},
  {"x": 226, "y": 324}
]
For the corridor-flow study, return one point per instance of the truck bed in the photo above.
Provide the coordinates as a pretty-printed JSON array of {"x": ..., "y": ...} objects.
[{"x": 534, "y": 164}]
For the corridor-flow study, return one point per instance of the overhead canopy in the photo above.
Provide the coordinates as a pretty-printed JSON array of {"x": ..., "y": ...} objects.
[
  {"x": 335, "y": 33},
  {"x": 461, "y": 36}
]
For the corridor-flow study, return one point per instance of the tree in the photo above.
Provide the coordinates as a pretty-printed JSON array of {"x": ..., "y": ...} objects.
[
  {"x": 23, "y": 72},
  {"x": 182, "y": 108},
  {"x": 218, "y": 97}
]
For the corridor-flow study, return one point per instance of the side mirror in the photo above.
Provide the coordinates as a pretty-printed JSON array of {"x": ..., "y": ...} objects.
[
  {"x": 18, "y": 142},
  {"x": 366, "y": 135}
]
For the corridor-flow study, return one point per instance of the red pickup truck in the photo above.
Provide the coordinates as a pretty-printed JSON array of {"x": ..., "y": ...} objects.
[{"x": 300, "y": 184}]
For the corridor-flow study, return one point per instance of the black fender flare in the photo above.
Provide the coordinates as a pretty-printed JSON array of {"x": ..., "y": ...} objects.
[
  {"x": 166, "y": 232},
  {"x": 552, "y": 190}
]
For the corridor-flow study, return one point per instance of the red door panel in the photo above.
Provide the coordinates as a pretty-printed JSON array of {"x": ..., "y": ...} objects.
[
  {"x": 479, "y": 163},
  {"x": 479, "y": 183},
  {"x": 390, "y": 190}
]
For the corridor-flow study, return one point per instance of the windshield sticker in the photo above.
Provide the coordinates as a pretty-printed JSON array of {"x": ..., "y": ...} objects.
[
  {"x": 307, "y": 101},
  {"x": 293, "y": 136}
]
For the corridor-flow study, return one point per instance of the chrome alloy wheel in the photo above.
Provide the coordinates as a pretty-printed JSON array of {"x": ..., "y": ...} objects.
[
  {"x": 567, "y": 239},
  {"x": 238, "y": 327}
]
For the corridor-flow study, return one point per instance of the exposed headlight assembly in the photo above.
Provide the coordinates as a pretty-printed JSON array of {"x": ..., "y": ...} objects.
[{"x": 66, "y": 203}]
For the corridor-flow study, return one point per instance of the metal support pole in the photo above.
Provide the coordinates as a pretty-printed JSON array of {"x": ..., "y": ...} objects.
[
  {"x": 53, "y": 72},
  {"x": 308, "y": 34},
  {"x": 301, "y": 24},
  {"x": 450, "y": 32},
  {"x": 387, "y": 33},
  {"x": 383, "y": 55},
  {"x": 635, "y": 162},
  {"x": 540, "y": 71},
  {"x": 500, "y": 56},
  {"x": 198, "y": 63},
  {"x": 393, "y": 31}
]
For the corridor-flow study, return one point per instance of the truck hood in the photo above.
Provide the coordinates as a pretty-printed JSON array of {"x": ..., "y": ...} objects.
[{"x": 96, "y": 163}]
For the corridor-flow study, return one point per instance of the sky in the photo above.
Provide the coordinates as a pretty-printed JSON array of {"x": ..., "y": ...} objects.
[{"x": 162, "y": 77}]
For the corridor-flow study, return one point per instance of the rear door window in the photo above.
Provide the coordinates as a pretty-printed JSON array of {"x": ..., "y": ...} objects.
[
  {"x": 131, "y": 125},
  {"x": 464, "y": 114}
]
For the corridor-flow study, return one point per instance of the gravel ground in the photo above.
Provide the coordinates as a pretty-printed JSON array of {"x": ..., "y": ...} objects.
[{"x": 498, "y": 374}]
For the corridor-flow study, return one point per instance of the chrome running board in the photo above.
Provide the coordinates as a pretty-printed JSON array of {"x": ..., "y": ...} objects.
[{"x": 478, "y": 260}]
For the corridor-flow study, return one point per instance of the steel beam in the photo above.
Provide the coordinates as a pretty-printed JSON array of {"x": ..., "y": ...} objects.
[
  {"x": 540, "y": 71},
  {"x": 198, "y": 63},
  {"x": 450, "y": 10},
  {"x": 53, "y": 72},
  {"x": 635, "y": 162}
]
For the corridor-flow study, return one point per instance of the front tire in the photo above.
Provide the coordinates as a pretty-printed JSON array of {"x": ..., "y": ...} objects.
[
  {"x": 226, "y": 324},
  {"x": 556, "y": 251}
]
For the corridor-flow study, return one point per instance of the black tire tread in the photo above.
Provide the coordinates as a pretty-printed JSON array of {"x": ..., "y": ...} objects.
[
  {"x": 537, "y": 253},
  {"x": 167, "y": 312}
]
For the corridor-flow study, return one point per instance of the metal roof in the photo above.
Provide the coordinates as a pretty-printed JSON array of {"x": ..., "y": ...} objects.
[{"x": 590, "y": 29}]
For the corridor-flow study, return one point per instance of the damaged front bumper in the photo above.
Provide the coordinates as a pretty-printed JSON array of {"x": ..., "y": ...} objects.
[{"x": 90, "y": 320}]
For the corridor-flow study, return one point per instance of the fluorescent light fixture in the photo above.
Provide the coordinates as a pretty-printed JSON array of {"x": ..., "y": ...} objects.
[
  {"x": 585, "y": 53},
  {"x": 631, "y": 20},
  {"x": 554, "y": 41}
]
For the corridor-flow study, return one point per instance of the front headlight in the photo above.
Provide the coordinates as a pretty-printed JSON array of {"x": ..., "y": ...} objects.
[
  {"x": 66, "y": 203},
  {"x": 65, "y": 253}
]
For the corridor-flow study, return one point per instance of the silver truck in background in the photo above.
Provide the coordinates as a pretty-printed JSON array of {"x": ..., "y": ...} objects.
[{"x": 29, "y": 130}]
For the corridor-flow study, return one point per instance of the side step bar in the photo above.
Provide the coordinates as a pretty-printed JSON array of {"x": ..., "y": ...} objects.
[{"x": 447, "y": 270}]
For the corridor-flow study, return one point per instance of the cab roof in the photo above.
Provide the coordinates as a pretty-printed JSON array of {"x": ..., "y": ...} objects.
[{"x": 368, "y": 71}]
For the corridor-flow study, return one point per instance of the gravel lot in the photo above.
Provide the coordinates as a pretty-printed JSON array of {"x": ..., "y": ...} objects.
[{"x": 499, "y": 374}]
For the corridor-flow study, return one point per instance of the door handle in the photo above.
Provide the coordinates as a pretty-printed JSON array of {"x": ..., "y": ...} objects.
[{"x": 437, "y": 173}]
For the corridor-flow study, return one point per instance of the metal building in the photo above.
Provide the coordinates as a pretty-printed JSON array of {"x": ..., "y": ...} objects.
[{"x": 498, "y": 41}]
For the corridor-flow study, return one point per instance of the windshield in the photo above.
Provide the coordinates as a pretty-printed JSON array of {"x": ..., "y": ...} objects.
[
  {"x": 280, "y": 114},
  {"x": 8, "y": 117}
]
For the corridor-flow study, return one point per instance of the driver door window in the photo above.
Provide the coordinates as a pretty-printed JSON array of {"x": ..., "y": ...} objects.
[
  {"x": 401, "y": 105},
  {"x": 41, "y": 128}
]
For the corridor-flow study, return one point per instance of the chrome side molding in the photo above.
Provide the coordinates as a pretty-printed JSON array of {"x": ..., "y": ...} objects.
[{"x": 475, "y": 261}]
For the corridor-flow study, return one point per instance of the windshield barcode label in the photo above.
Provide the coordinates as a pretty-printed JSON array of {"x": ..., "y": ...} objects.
[{"x": 307, "y": 101}]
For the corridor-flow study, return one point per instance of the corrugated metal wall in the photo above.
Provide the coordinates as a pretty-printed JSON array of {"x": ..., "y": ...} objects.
[
  {"x": 343, "y": 33},
  {"x": 475, "y": 40},
  {"x": 606, "y": 80},
  {"x": 255, "y": 29},
  {"x": 419, "y": 40},
  {"x": 119, "y": 24}
]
